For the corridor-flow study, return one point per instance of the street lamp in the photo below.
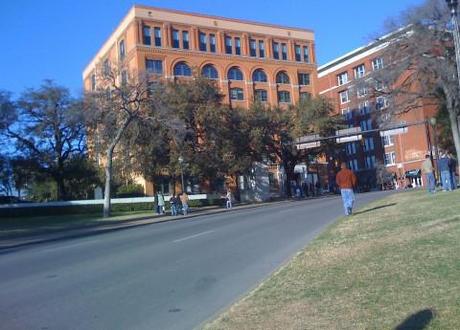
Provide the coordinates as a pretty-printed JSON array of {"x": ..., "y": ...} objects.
[
  {"x": 453, "y": 4},
  {"x": 181, "y": 161}
]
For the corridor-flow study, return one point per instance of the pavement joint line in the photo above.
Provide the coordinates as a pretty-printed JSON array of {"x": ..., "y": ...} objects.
[
  {"x": 97, "y": 229},
  {"x": 193, "y": 236}
]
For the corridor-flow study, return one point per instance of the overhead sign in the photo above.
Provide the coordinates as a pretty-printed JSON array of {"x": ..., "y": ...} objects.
[
  {"x": 395, "y": 131},
  {"x": 348, "y": 135},
  {"x": 308, "y": 142}
]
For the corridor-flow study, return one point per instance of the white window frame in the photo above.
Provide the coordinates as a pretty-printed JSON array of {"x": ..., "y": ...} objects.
[
  {"x": 383, "y": 104},
  {"x": 343, "y": 99},
  {"x": 392, "y": 157},
  {"x": 360, "y": 71},
  {"x": 377, "y": 63},
  {"x": 388, "y": 141},
  {"x": 361, "y": 92},
  {"x": 342, "y": 78}
]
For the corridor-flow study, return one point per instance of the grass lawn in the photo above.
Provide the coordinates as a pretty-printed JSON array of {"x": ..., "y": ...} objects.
[{"x": 395, "y": 264}]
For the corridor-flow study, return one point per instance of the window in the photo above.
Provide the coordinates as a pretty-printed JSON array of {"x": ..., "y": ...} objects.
[
  {"x": 93, "y": 82},
  {"x": 342, "y": 78},
  {"x": 306, "y": 54},
  {"x": 351, "y": 148},
  {"x": 261, "y": 49},
  {"x": 347, "y": 114},
  {"x": 252, "y": 48},
  {"x": 203, "y": 42},
  {"x": 212, "y": 43},
  {"x": 361, "y": 92},
  {"x": 259, "y": 76},
  {"x": 237, "y": 46},
  {"x": 390, "y": 158},
  {"x": 370, "y": 161},
  {"x": 284, "y": 52},
  {"x": 381, "y": 102},
  {"x": 185, "y": 40},
  {"x": 388, "y": 140},
  {"x": 121, "y": 50},
  {"x": 304, "y": 79},
  {"x": 298, "y": 54},
  {"x": 124, "y": 77},
  {"x": 175, "y": 39},
  {"x": 363, "y": 107},
  {"x": 106, "y": 67},
  {"x": 210, "y": 72},
  {"x": 377, "y": 63},
  {"x": 360, "y": 71},
  {"x": 261, "y": 95},
  {"x": 344, "y": 98},
  {"x": 282, "y": 78},
  {"x": 146, "y": 35},
  {"x": 368, "y": 144},
  {"x": 235, "y": 74},
  {"x": 236, "y": 94},
  {"x": 305, "y": 96},
  {"x": 276, "y": 51},
  {"x": 353, "y": 165},
  {"x": 182, "y": 69},
  {"x": 228, "y": 45},
  {"x": 154, "y": 66},
  {"x": 157, "y": 35},
  {"x": 284, "y": 97},
  {"x": 379, "y": 86}
]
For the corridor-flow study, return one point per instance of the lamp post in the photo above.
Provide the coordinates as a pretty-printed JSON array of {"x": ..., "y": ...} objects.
[
  {"x": 453, "y": 5},
  {"x": 181, "y": 161}
]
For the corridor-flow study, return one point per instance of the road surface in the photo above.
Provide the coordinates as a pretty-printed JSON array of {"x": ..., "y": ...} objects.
[{"x": 173, "y": 275}]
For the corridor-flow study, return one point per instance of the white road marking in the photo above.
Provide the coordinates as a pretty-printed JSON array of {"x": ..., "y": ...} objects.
[{"x": 193, "y": 236}]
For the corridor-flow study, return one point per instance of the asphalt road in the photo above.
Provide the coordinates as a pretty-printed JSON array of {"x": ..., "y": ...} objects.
[{"x": 173, "y": 275}]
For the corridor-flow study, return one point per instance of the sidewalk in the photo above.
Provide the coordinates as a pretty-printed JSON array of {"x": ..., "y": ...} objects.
[{"x": 113, "y": 225}]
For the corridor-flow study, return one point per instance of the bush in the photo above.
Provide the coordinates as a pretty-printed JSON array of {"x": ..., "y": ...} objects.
[{"x": 130, "y": 190}]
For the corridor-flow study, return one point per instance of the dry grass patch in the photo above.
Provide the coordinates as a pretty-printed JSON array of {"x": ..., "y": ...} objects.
[{"x": 395, "y": 262}]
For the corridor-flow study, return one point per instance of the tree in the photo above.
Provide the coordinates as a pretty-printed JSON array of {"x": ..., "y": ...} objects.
[
  {"x": 313, "y": 116},
  {"x": 121, "y": 99},
  {"x": 420, "y": 64},
  {"x": 48, "y": 126}
]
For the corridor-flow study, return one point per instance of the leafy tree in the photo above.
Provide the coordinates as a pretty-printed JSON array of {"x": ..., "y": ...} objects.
[
  {"x": 48, "y": 127},
  {"x": 420, "y": 66},
  {"x": 112, "y": 109}
]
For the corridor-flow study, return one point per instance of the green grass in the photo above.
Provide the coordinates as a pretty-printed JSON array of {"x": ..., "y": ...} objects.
[{"x": 395, "y": 258}]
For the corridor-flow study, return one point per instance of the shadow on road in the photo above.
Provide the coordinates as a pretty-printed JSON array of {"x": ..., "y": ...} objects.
[
  {"x": 375, "y": 208},
  {"x": 417, "y": 321}
]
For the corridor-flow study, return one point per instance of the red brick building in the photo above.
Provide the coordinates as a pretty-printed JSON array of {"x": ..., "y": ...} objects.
[{"x": 401, "y": 154}]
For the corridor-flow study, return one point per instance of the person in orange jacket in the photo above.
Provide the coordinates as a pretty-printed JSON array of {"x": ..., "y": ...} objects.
[{"x": 346, "y": 180}]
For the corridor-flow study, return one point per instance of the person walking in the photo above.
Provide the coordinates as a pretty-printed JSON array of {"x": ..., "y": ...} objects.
[
  {"x": 444, "y": 169},
  {"x": 346, "y": 180},
  {"x": 427, "y": 170},
  {"x": 184, "y": 200},
  {"x": 173, "y": 201},
  {"x": 228, "y": 199},
  {"x": 161, "y": 203},
  {"x": 453, "y": 170}
]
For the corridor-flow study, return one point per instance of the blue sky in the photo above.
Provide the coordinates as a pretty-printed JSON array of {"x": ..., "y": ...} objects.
[{"x": 55, "y": 39}]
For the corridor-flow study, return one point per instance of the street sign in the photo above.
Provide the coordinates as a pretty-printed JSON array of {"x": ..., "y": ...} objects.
[
  {"x": 308, "y": 142},
  {"x": 395, "y": 131},
  {"x": 349, "y": 135}
]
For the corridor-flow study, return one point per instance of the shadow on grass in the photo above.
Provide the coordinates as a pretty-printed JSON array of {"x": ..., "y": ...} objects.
[
  {"x": 417, "y": 321},
  {"x": 375, "y": 208}
]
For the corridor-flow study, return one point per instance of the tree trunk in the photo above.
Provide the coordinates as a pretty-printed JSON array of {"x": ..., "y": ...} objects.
[
  {"x": 289, "y": 175},
  {"x": 108, "y": 184},
  {"x": 455, "y": 133}
]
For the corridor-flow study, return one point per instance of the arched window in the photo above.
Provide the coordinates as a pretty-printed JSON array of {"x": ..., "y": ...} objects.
[
  {"x": 282, "y": 78},
  {"x": 182, "y": 69},
  {"x": 259, "y": 76},
  {"x": 210, "y": 72},
  {"x": 235, "y": 74}
]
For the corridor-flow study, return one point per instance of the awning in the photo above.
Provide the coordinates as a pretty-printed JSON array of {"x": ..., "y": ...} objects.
[{"x": 413, "y": 173}]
